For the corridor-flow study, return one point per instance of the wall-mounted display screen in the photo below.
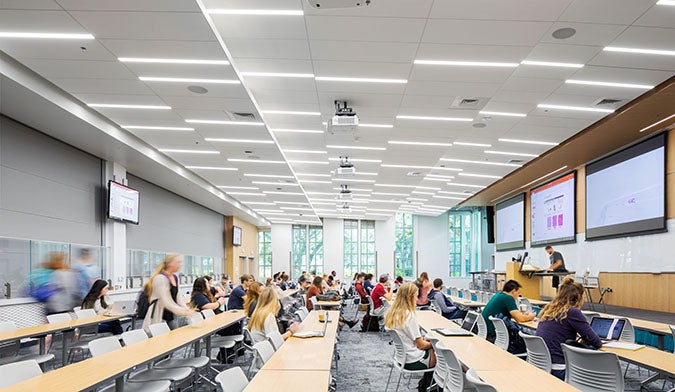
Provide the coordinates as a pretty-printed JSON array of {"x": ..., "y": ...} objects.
[
  {"x": 552, "y": 211},
  {"x": 122, "y": 202},
  {"x": 236, "y": 236},
  {"x": 510, "y": 225},
  {"x": 625, "y": 192}
]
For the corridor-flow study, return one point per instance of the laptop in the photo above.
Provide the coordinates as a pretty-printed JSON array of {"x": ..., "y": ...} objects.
[
  {"x": 607, "y": 328},
  {"x": 452, "y": 332},
  {"x": 313, "y": 334},
  {"x": 470, "y": 321},
  {"x": 122, "y": 308}
]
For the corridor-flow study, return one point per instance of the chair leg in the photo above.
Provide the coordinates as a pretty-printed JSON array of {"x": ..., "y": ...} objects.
[
  {"x": 399, "y": 380},
  {"x": 389, "y": 378}
]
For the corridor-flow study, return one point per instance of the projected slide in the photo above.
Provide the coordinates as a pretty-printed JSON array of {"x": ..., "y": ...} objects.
[
  {"x": 510, "y": 225},
  {"x": 627, "y": 196},
  {"x": 552, "y": 211}
]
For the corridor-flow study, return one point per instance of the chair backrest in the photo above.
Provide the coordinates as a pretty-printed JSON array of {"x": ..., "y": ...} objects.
[
  {"x": 482, "y": 327},
  {"x": 134, "y": 336},
  {"x": 399, "y": 349},
  {"x": 15, "y": 372},
  {"x": 537, "y": 352},
  {"x": 672, "y": 331},
  {"x": 478, "y": 384},
  {"x": 628, "y": 333},
  {"x": 104, "y": 345},
  {"x": 454, "y": 378},
  {"x": 591, "y": 370},
  {"x": 58, "y": 317},
  {"x": 436, "y": 307},
  {"x": 526, "y": 302},
  {"x": 299, "y": 315},
  {"x": 276, "y": 339},
  {"x": 232, "y": 380},
  {"x": 372, "y": 305},
  {"x": 304, "y": 311},
  {"x": 502, "y": 334},
  {"x": 159, "y": 328},
  {"x": 313, "y": 301},
  {"x": 196, "y": 319},
  {"x": 264, "y": 350},
  {"x": 208, "y": 313},
  {"x": 7, "y": 326},
  {"x": 466, "y": 294},
  {"x": 441, "y": 369},
  {"x": 84, "y": 313},
  {"x": 590, "y": 315}
]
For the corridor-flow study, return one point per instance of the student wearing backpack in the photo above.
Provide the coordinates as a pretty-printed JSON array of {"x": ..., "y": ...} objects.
[{"x": 162, "y": 292}]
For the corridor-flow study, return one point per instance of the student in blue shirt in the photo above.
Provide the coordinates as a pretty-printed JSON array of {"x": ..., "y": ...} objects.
[
  {"x": 238, "y": 295},
  {"x": 448, "y": 308}
]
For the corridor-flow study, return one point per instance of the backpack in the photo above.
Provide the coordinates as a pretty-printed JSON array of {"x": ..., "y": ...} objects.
[
  {"x": 40, "y": 287},
  {"x": 142, "y": 304}
]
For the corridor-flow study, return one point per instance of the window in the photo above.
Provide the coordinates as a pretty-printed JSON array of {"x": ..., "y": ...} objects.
[
  {"x": 264, "y": 254},
  {"x": 403, "y": 254},
  {"x": 307, "y": 250},
  {"x": 464, "y": 249},
  {"x": 359, "y": 247}
]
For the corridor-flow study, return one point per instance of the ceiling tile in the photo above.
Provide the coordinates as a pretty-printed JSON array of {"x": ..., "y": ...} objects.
[
  {"x": 520, "y": 10},
  {"x": 484, "y": 32},
  {"x": 336, "y": 50},
  {"x": 79, "y": 69},
  {"x": 355, "y": 29},
  {"x": 257, "y": 27},
  {"x": 596, "y": 11},
  {"x": 130, "y": 5},
  {"x": 268, "y": 48}
]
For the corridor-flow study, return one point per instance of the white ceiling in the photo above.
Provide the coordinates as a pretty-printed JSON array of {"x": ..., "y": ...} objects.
[{"x": 380, "y": 41}]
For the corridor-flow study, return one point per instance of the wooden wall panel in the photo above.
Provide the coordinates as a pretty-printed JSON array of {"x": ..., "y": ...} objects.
[{"x": 638, "y": 290}]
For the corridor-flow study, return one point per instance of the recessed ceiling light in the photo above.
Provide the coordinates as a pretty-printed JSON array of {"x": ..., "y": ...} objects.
[
  {"x": 579, "y": 108},
  {"x": 212, "y": 168},
  {"x": 308, "y": 162},
  {"x": 472, "y": 144},
  {"x": 260, "y": 203},
  {"x": 123, "y": 106},
  {"x": 609, "y": 84},
  {"x": 420, "y": 143},
  {"x": 235, "y": 11},
  {"x": 255, "y": 161},
  {"x": 284, "y": 193},
  {"x": 152, "y": 128},
  {"x": 505, "y": 114},
  {"x": 10, "y": 34},
  {"x": 407, "y": 186},
  {"x": 551, "y": 64},
  {"x": 296, "y": 209},
  {"x": 449, "y": 197},
  {"x": 197, "y": 89},
  {"x": 528, "y": 142},
  {"x": 244, "y": 193},
  {"x": 517, "y": 154},
  {"x": 640, "y": 51},
  {"x": 312, "y": 175},
  {"x": 421, "y": 167},
  {"x": 356, "y": 147},
  {"x": 362, "y": 125},
  {"x": 278, "y": 74},
  {"x": 466, "y": 63},
  {"x": 359, "y": 80},
  {"x": 315, "y": 182},
  {"x": 352, "y": 180},
  {"x": 665, "y": 2},
  {"x": 188, "y": 151},
  {"x": 307, "y": 151},
  {"x": 267, "y": 175},
  {"x": 291, "y": 112},
  {"x": 224, "y": 122},
  {"x": 430, "y": 175},
  {"x": 404, "y": 117},
  {"x": 480, "y": 162},
  {"x": 238, "y": 187},
  {"x": 657, "y": 123},
  {"x": 187, "y": 80},
  {"x": 357, "y": 160},
  {"x": 295, "y": 131},
  {"x": 172, "y": 61},
  {"x": 253, "y": 141},
  {"x": 467, "y": 185},
  {"x": 479, "y": 175},
  {"x": 438, "y": 179},
  {"x": 416, "y": 199}
]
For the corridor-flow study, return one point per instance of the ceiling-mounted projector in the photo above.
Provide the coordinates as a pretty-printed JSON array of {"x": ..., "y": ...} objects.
[
  {"x": 345, "y": 120},
  {"x": 346, "y": 168},
  {"x": 323, "y": 4},
  {"x": 345, "y": 208},
  {"x": 345, "y": 193}
]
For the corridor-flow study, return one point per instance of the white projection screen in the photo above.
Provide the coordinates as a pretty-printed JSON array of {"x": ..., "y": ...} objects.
[{"x": 510, "y": 224}]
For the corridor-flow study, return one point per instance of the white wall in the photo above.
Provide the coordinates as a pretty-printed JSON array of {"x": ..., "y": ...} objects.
[
  {"x": 333, "y": 249},
  {"x": 431, "y": 244},
  {"x": 281, "y": 247},
  {"x": 384, "y": 245}
]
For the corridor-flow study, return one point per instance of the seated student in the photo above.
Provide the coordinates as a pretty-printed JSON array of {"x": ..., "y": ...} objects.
[
  {"x": 562, "y": 320},
  {"x": 264, "y": 317},
  {"x": 358, "y": 286},
  {"x": 380, "y": 291},
  {"x": 285, "y": 282},
  {"x": 238, "y": 295},
  {"x": 401, "y": 318},
  {"x": 216, "y": 291},
  {"x": 225, "y": 285},
  {"x": 332, "y": 283},
  {"x": 504, "y": 303},
  {"x": 315, "y": 289},
  {"x": 448, "y": 309},
  {"x": 202, "y": 298},
  {"x": 303, "y": 284},
  {"x": 97, "y": 299},
  {"x": 252, "y": 298},
  {"x": 424, "y": 284},
  {"x": 367, "y": 284},
  {"x": 397, "y": 283},
  {"x": 269, "y": 282}
]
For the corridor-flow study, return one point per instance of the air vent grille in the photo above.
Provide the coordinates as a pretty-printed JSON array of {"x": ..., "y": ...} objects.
[
  {"x": 516, "y": 161},
  {"x": 607, "y": 101},
  {"x": 242, "y": 116},
  {"x": 468, "y": 102}
]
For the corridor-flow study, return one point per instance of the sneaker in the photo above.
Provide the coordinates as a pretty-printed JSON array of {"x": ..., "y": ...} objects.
[{"x": 351, "y": 323}]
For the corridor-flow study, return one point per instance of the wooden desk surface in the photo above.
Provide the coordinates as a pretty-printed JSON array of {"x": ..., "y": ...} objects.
[
  {"x": 307, "y": 353},
  {"x": 465, "y": 302},
  {"x": 651, "y": 326},
  {"x": 45, "y": 329},
  {"x": 519, "y": 381},
  {"x": 93, "y": 371},
  {"x": 289, "y": 381},
  {"x": 538, "y": 302},
  {"x": 328, "y": 303},
  {"x": 289, "y": 292}
]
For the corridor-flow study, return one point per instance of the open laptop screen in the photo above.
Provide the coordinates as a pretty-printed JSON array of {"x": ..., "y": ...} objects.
[
  {"x": 607, "y": 328},
  {"x": 469, "y": 321}
]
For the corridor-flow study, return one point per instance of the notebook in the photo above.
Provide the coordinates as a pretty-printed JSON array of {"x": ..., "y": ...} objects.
[
  {"x": 607, "y": 328},
  {"x": 122, "y": 308},
  {"x": 314, "y": 334},
  {"x": 453, "y": 332}
]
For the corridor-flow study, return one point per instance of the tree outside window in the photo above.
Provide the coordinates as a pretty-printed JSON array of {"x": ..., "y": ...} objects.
[{"x": 403, "y": 253}]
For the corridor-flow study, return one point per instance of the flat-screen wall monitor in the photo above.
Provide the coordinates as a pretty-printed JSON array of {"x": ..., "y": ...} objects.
[
  {"x": 122, "y": 203},
  {"x": 625, "y": 192},
  {"x": 236, "y": 236},
  {"x": 552, "y": 211},
  {"x": 510, "y": 216}
]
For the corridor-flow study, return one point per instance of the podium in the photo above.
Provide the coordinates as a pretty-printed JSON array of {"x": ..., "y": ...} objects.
[{"x": 531, "y": 285}]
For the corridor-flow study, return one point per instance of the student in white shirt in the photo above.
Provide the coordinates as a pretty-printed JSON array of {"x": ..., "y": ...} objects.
[
  {"x": 264, "y": 321},
  {"x": 401, "y": 318},
  {"x": 97, "y": 299}
]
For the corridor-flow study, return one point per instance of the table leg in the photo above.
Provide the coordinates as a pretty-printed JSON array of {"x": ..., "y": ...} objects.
[
  {"x": 64, "y": 348},
  {"x": 43, "y": 344},
  {"x": 661, "y": 338},
  {"x": 119, "y": 384}
]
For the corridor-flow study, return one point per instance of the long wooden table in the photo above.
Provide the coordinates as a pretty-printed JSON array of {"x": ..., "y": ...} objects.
[
  {"x": 466, "y": 302},
  {"x": 94, "y": 371},
  {"x": 289, "y": 381},
  {"x": 289, "y": 292},
  {"x": 489, "y": 360}
]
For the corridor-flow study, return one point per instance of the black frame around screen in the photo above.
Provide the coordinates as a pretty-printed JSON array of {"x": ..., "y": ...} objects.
[
  {"x": 562, "y": 240},
  {"x": 116, "y": 217},
  {"x": 503, "y": 204}
]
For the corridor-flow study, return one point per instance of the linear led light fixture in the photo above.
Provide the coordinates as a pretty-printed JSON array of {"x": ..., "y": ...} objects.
[
  {"x": 365, "y": 174},
  {"x": 171, "y": 61},
  {"x": 416, "y": 199},
  {"x": 315, "y": 182},
  {"x": 453, "y": 193},
  {"x": 461, "y": 63},
  {"x": 224, "y": 122},
  {"x": 237, "y": 187},
  {"x": 180, "y": 151},
  {"x": 639, "y": 50},
  {"x": 609, "y": 84},
  {"x": 312, "y": 175},
  {"x": 267, "y": 175},
  {"x": 357, "y": 160},
  {"x": 356, "y": 147},
  {"x": 430, "y": 175},
  {"x": 359, "y": 80},
  {"x": 252, "y": 141},
  {"x": 366, "y": 125},
  {"x": 296, "y": 209},
  {"x": 283, "y": 193},
  {"x": 665, "y": 2},
  {"x": 308, "y": 162},
  {"x": 419, "y": 143},
  {"x": 321, "y": 193},
  {"x": 278, "y": 74},
  {"x": 407, "y": 186},
  {"x": 528, "y": 142},
  {"x": 422, "y": 193},
  {"x": 154, "y": 128},
  {"x": 437, "y": 179},
  {"x": 307, "y": 151},
  {"x": 212, "y": 168},
  {"x": 579, "y": 108},
  {"x": 274, "y": 183},
  {"x": 505, "y": 114},
  {"x": 551, "y": 64},
  {"x": 260, "y": 203},
  {"x": 377, "y": 214},
  {"x": 255, "y": 161},
  {"x": 296, "y": 203},
  {"x": 421, "y": 167},
  {"x": 261, "y": 12},
  {"x": 467, "y": 185},
  {"x": 449, "y": 197},
  {"x": 352, "y": 180},
  {"x": 291, "y": 112},
  {"x": 295, "y": 131},
  {"x": 380, "y": 210},
  {"x": 390, "y": 194},
  {"x": 187, "y": 80},
  {"x": 124, "y": 106},
  {"x": 480, "y": 175},
  {"x": 657, "y": 123},
  {"x": 480, "y": 162},
  {"x": 355, "y": 189},
  {"x": 516, "y": 154},
  {"x": 432, "y": 118},
  {"x": 245, "y": 193},
  {"x": 472, "y": 144},
  {"x": 16, "y": 34}
]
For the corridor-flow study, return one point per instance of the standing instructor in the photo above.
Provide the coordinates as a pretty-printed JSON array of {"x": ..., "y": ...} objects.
[{"x": 557, "y": 264}]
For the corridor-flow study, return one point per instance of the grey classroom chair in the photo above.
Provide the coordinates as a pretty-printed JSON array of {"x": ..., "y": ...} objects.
[
  {"x": 455, "y": 380},
  {"x": 264, "y": 352},
  {"x": 72, "y": 346},
  {"x": 276, "y": 339},
  {"x": 502, "y": 335},
  {"x": 441, "y": 369},
  {"x": 478, "y": 384},
  {"x": 15, "y": 372},
  {"x": 232, "y": 380},
  {"x": 537, "y": 352},
  {"x": 399, "y": 359},
  {"x": 233, "y": 342},
  {"x": 10, "y": 349},
  {"x": 592, "y": 371},
  {"x": 480, "y": 322},
  {"x": 435, "y": 306}
]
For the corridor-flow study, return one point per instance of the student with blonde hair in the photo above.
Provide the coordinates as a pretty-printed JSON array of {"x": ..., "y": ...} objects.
[
  {"x": 264, "y": 318},
  {"x": 162, "y": 291},
  {"x": 401, "y": 318}
]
